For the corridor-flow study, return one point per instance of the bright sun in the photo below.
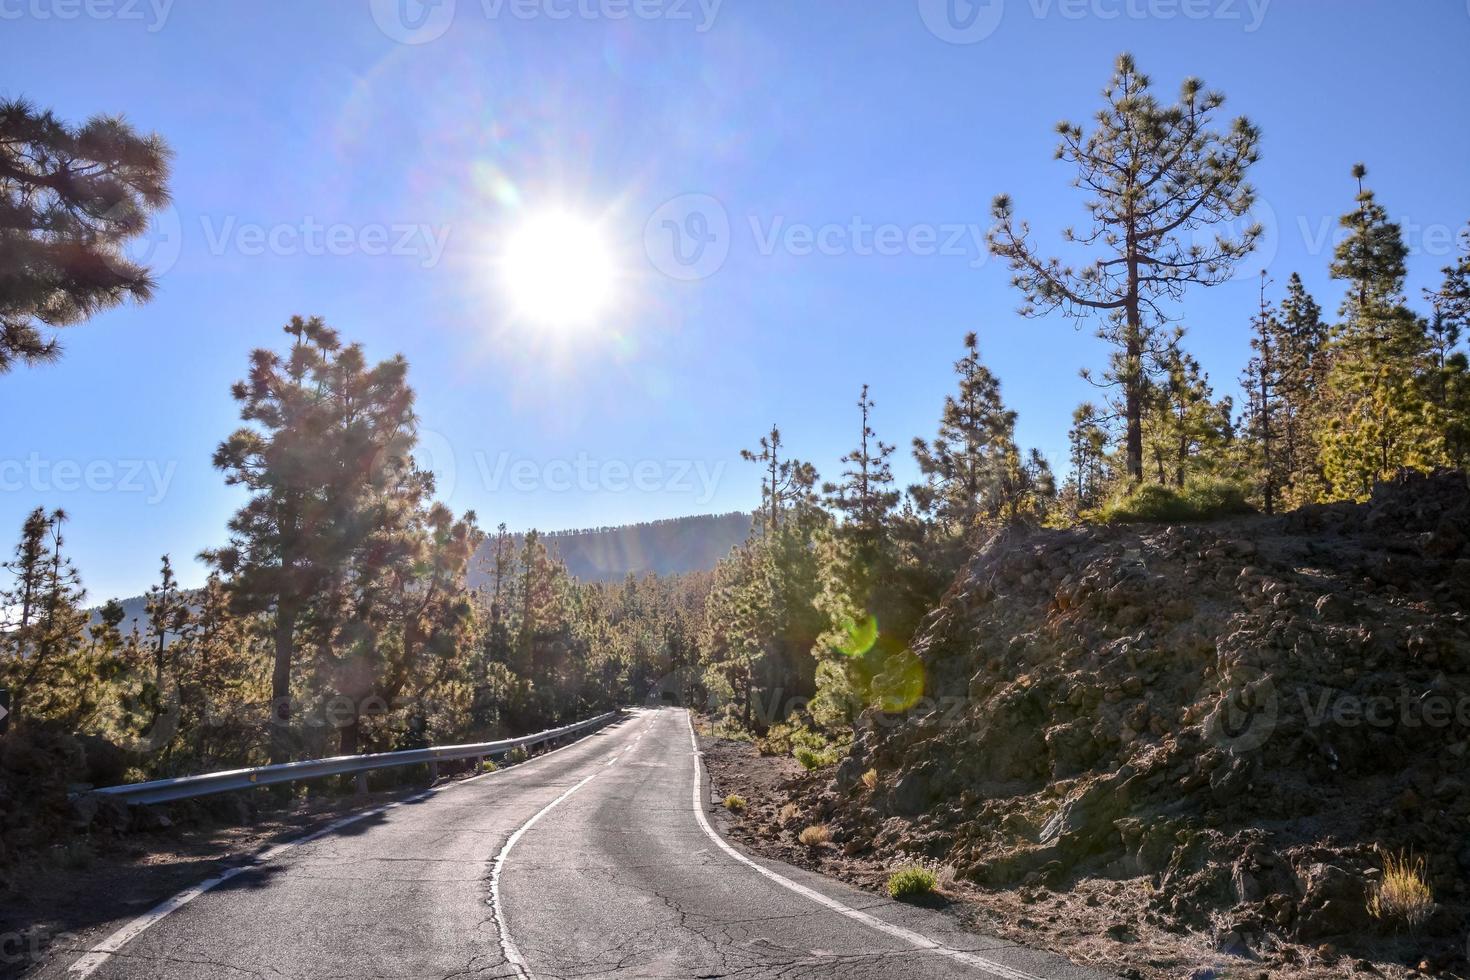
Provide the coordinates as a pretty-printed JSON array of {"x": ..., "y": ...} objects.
[{"x": 557, "y": 270}]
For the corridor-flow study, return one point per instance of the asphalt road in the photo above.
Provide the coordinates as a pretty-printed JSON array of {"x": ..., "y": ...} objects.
[{"x": 593, "y": 861}]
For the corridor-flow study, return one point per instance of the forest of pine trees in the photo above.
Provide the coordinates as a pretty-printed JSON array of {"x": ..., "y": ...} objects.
[
  {"x": 810, "y": 622},
  {"x": 339, "y": 616}
]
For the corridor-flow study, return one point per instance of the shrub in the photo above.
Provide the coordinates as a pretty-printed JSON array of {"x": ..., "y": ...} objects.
[
  {"x": 815, "y": 836},
  {"x": 788, "y": 815},
  {"x": 811, "y": 759},
  {"x": 870, "y": 779},
  {"x": 734, "y": 803},
  {"x": 488, "y": 766},
  {"x": 1403, "y": 896},
  {"x": 1200, "y": 499},
  {"x": 516, "y": 756},
  {"x": 911, "y": 883},
  {"x": 731, "y": 731}
]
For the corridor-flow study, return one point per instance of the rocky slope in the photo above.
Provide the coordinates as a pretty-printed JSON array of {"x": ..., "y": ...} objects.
[{"x": 1243, "y": 714}]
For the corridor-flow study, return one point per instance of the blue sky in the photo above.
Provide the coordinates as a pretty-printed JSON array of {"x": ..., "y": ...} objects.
[{"x": 837, "y": 159}]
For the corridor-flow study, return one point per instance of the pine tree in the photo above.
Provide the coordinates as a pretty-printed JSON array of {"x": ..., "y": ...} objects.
[
  {"x": 866, "y": 495},
  {"x": 1087, "y": 440},
  {"x": 1262, "y": 383},
  {"x": 47, "y": 624},
  {"x": 1449, "y": 380},
  {"x": 60, "y": 620},
  {"x": 330, "y": 434},
  {"x": 1301, "y": 355},
  {"x": 787, "y": 483},
  {"x": 1160, "y": 176},
  {"x": 170, "y": 620},
  {"x": 1185, "y": 429},
  {"x": 73, "y": 196},
  {"x": 973, "y": 472},
  {"x": 1380, "y": 419},
  {"x": 22, "y": 600}
]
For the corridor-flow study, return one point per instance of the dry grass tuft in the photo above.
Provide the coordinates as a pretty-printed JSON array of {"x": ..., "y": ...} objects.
[
  {"x": 735, "y": 803},
  {"x": 815, "y": 836},
  {"x": 789, "y": 814},
  {"x": 870, "y": 779},
  {"x": 1403, "y": 896}
]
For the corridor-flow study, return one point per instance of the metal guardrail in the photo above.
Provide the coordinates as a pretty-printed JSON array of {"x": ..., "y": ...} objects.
[{"x": 188, "y": 787}]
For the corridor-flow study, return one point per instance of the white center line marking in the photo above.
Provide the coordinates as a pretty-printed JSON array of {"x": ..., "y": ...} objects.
[{"x": 507, "y": 945}]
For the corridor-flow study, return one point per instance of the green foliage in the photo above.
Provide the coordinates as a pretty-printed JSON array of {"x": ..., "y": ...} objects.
[
  {"x": 811, "y": 760},
  {"x": 1379, "y": 416},
  {"x": 1202, "y": 499},
  {"x": 343, "y": 593},
  {"x": 73, "y": 197},
  {"x": 912, "y": 882},
  {"x": 1160, "y": 180},
  {"x": 974, "y": 473},
  {"x": 735, "y": 803}
]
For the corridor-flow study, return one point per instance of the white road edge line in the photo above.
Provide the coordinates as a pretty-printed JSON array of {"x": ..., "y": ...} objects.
[
  {"x": 899, "y": 932},
  {"x": 101, "y": 952}
]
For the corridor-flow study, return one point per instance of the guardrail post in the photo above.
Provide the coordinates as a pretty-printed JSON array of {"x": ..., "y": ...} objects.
[
  {"x": 361, "y": 782},
  {"x": 479, "y": 764},
  {"x": 434, "y": 771}
]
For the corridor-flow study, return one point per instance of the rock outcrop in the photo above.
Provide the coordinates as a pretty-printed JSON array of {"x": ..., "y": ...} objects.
[{"x": 1247, "y": 712}]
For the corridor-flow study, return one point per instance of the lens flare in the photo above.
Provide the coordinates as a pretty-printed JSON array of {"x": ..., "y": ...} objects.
[{"x": 861, "y": 636}]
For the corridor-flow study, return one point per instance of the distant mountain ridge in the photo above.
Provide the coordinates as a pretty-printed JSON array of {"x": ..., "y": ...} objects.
[
  {"x": 603, "y": 554},
  {"x": 666, "y": 547}
]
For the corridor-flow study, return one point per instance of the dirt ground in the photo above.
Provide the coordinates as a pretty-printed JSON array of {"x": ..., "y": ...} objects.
[{"x": 1100, "y": 923}]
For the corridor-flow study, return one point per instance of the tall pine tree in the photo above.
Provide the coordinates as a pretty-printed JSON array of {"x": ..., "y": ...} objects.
[{"x": 1161, "y": 178}]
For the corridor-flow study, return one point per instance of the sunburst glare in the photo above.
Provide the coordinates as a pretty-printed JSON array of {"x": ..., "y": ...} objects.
[{"x": 557, "y": 270}]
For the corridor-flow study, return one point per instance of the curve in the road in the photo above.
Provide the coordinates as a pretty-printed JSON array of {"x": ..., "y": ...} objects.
[
  {"x": 591, "y": 867},
  {"x": 873, "y": 922}
]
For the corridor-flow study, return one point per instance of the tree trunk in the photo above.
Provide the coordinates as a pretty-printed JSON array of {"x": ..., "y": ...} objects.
[
  {"x": 348, "y": 738},
  {"x": 1133, "y": 364},
  {"x": 1133, "y": 400},
  {"x": 280, "y": 724}
]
